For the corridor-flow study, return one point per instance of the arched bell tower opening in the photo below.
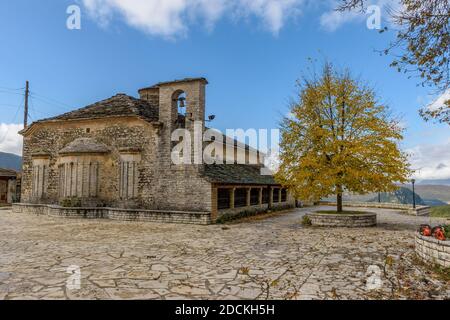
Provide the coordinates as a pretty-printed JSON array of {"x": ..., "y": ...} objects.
[
  {"x": 186, "y": 97},
  {"x": 179, "y": 103},
  {"x": 181, "y": 106}
]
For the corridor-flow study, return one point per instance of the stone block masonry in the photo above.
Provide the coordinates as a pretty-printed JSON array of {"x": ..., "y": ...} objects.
[
  {"x": 113, "y": 159},
  {"x": 406, "y": 208},
  {"x": 432, "y": 250},
  {"x": 185, "y": 217},
  {"x": 343, "y": 220}
]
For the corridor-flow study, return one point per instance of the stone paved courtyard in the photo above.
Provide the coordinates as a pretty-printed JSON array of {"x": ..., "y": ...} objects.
[{"x": 275, "y": 258}]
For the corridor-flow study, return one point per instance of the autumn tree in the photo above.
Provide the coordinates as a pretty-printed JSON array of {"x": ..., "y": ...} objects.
[
  {"x": 339, "y": 138},
  {"x": 422, "y": 45}
]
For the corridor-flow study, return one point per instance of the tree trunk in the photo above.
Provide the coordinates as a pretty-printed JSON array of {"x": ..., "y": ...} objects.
[{"x": 339, "y": 202}]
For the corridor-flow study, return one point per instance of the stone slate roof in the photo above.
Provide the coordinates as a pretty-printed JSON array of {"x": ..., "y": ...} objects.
[
  {"x": 84, "y": 145},
  {"x": 237, "y": 174},
  {"x": 7, "y": 173},
  {"x": 159, "y": 84},
  {"x": 118, "y": 105}
]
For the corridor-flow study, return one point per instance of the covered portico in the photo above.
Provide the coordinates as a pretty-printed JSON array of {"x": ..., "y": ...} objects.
[{"x": 243, "y": 188}]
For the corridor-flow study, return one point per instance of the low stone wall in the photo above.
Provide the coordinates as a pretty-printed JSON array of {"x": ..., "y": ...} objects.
[
  {"x": 418, "y": 211},
  {"x": 432, "y": 250},
  {"x": 362, "y": 220},
  {"x": 160, "y": 216},
  {"x": 185, "y": 217}
]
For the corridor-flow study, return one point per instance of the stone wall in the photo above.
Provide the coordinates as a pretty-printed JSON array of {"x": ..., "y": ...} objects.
[
  {"x": 161, "y": 185},
  {"x": 47, "y": 139},
  {"x": 432, "y": 250},
  {"x": 343, "y": 220},
  {"x": 140, "y": 215},
  {"x": 180, "y": 187},
  {"x": 419, "y": 211}
]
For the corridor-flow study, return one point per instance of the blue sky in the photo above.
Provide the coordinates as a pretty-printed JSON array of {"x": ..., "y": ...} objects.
[{"x": 252, "y": 52}]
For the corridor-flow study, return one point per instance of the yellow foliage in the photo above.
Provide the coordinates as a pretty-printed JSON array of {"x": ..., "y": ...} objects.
[{"x": 339, "y": 138}]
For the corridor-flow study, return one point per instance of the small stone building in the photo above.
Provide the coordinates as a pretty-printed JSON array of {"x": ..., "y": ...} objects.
[
  {"x": 112, "y": 159},
  {"x": 8, "y": 186}
]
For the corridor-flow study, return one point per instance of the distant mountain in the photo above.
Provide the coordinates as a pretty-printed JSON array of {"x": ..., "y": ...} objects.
[
  {"x": 434, "y": 202},
  {"x": 431, "y": 195},
  {"x": 402, "y": 195},
  {"x": 10, "y": 161},
  {"x": 441, "y": 182},
  {"x": 432, "y": 192}
]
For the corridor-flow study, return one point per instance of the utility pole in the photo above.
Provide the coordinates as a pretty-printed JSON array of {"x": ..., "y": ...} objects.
[{"x": 25, "y": 116}]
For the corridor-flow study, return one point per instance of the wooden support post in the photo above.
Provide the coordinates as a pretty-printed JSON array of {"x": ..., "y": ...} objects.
[{"x": 25, "y": 115}]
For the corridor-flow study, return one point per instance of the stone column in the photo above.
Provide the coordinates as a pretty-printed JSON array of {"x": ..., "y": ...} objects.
[
  {"x": 232, "y": 198},
  {"x": 248, "y": 199},
  {"x": 214, "y": 208},
  {"x": 270, "y": 189}
]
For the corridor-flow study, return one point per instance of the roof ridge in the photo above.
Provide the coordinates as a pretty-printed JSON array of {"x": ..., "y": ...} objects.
[{"x": 120, "y": 104}]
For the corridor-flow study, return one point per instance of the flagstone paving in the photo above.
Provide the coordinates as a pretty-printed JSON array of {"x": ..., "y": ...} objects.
[{"x": 273, "y": 258}]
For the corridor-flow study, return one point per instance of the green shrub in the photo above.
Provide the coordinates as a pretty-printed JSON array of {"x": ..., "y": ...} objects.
[
  {"x": 446, "y": 231},
  {"x": 227, "y": 217},
  {"x": 72, "y": 202},
  {"x": 440, "y": 212},
  {"x": 306, "y": 221}
]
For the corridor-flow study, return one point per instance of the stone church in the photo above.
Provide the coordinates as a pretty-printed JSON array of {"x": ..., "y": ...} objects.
[{"x": 112, "y": 159}]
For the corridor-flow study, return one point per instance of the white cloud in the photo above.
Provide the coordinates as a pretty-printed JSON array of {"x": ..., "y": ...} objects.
[
  {"x": 439, "y": 102},
  {"x": 331, "y": 20},
  {"x": 273, "y": 13},
  {"x": 432, "y": 161},
  {"x": 172, "y": 18},
  {"x": 10, "y": 140},
  {"x": 272, "y": 161}
]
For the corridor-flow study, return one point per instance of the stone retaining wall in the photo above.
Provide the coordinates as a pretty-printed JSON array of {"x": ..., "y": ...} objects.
[
  {"x": 343, "y": 220},
  {"x": 202, "y": 218},
  {"x": 418, "y": 211},
  {"x": 432, "y": 250}
]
